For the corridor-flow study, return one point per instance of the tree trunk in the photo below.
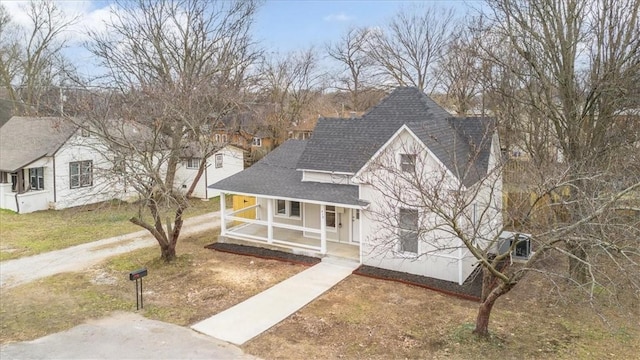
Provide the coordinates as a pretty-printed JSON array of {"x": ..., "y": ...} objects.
[
  {"x": 577, "y": 266},
  {"x": 168, "y": 253},
  {"x": 482, "y": 320}
]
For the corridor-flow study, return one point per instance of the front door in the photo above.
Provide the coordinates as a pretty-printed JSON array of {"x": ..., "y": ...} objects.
[{"x": 355, "y": 225}]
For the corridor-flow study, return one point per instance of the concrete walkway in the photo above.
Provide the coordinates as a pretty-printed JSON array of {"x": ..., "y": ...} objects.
[
  {"x": 257, "y": 314},
  {"x": 80, "y": 257}
]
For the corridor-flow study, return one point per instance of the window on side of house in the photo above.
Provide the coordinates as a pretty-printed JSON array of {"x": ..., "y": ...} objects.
[
  {"x": 408, "y": 230},
  {"x": 257, "y": 142},
  {"x": 193, "y": 163},
  {"x": 36, "y": 178},
  {"x": 219, "y": 158},
  {"x": 224, "y": 138},
  {"x": 281, "y": 207},
  {"x": 80, "y": 174},
  {"x": 408, "y": 162}
]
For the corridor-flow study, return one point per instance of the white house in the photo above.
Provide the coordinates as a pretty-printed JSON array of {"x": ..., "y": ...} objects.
[
  {"x": 48, "y": 163},
  {"x": 224, "y": 163},
  {"x": 346, "y": 191}
]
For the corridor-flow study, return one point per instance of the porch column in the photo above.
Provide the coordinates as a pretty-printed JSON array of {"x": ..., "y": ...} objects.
[
  {"x": 460, "y": 279},
  {"x": 270, "y": 221},
  {"x": 223, "y": 220},
  {"x": 323, "y": 229}
]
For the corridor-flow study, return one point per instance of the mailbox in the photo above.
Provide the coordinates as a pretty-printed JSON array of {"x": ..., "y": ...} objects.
[{"x": 134, "y": 275}]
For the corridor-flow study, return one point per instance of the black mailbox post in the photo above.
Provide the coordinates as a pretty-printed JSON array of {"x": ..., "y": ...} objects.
[{"x": 137, "y": 275}]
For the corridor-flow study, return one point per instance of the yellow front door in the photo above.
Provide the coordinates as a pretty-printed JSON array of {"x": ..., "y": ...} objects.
[{"x": 240, "y": 202}]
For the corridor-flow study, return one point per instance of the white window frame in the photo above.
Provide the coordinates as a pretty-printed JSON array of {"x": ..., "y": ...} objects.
[
  {"x": 408, "y": 162},
  {"x": 403, "y": 232},
  {"x": 82, "y": 177},
  {"x": 219, "y": 158},
  {"x": 193, "y": 163},
  {"x": 285, "y": 210},
  {"x": 38, "y": 174},
  {"x": 257, "y": 142},
  {"x": 328, "y": 211}
]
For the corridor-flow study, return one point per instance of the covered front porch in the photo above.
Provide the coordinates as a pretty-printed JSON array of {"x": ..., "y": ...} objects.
[{"x": 303, "y": 227}]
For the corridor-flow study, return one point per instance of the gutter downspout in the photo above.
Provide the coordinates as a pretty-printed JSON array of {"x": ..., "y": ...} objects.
[
  {"x": 55, "y": 193},
  {"x": 206, "y": 181}
]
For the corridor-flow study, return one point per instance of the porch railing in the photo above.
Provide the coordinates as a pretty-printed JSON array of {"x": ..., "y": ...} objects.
[{"x": 245, "y": 222}]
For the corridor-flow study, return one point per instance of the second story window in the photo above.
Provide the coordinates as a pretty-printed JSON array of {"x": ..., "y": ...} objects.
[
  {"x": 257, "y": 142},
  {"x": 408, "y": 162}
]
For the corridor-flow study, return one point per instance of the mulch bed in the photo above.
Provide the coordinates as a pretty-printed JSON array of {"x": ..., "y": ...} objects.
[
  {"x": 264, "y": 253},
  {"x": 470, "y": 290}
]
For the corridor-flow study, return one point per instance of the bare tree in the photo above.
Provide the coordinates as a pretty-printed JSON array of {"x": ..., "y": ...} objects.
[
  {"x": 575, "y": 63},
  {"x": 461, "y": 67},
  {"x": 406, "y": 50},
  {"x": 435, "y": 213},
  {"x": 356, "y": 75},
  {"x": 31, "y": 60},
  {"x": 178, "y": 67},
  {"x": 288, "y": 85}
]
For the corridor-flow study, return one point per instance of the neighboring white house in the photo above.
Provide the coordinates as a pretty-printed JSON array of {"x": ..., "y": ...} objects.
[
  {"x": 48, "y": 163},
  {"x": 226, "y": 162},
  {"x": 325, "y": 196}
]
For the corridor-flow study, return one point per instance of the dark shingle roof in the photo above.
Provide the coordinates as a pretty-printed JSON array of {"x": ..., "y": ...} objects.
[
  {"x": 346, "y": 145},
  {"x": 26, "y": 139},
  {"x": 276, "y": 175}
]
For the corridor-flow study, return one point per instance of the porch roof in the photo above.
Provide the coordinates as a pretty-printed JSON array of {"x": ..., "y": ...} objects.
[
  {"x": 24, "y": 140},
  {"x": 276, "y": 176}
]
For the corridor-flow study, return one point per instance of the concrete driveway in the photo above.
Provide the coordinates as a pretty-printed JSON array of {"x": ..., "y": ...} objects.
[{"x": 124, "y": 336}]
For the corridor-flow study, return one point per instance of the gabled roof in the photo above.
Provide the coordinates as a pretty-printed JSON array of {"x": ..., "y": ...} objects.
[
  {"x": 346, "y": 145},
  {"x": 24, "y": 140},
  {"x": 275, "y": 175}
]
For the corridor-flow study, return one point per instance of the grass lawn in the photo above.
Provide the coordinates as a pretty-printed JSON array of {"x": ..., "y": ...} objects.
[
  {"x": 200, "y": 283},
  {"x": 359, "y": 318},
  {"x": 41, "y": 231}
]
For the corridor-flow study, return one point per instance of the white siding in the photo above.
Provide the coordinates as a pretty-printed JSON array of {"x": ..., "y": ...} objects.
[
  {"x": 105, "y": 186},
  {"x": 379, "y": 246},
  {"x": 323, "y": 177},
  {"x": 232, "y": 163}
]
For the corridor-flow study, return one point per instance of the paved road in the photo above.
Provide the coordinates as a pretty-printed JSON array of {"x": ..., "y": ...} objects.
[
  {"x": 80, "y": 257},
  {"x": 124, "y": 336}
]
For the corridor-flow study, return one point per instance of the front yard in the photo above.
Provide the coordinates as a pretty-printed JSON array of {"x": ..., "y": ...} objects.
[
  {"x": 41, "y": 231},
  {"x": 359, "y": 318}
]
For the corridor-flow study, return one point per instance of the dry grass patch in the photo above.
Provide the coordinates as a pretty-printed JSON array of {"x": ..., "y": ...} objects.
[
  {"x": 199, "y": 284},
  {"x": 375, "y": 319}
]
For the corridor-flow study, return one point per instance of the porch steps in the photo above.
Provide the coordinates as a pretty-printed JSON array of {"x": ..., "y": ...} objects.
[{"x": 257, "y": 314}]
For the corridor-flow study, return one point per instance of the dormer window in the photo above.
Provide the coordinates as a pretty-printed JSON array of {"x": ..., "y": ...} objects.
[{"x": 408, "y": 162}]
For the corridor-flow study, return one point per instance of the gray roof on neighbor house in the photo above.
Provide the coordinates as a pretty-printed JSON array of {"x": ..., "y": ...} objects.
[
  {"x": 461, "y": 144},
  {"x": 275, "y": 175},
  {"x": 24, "y": 140}
]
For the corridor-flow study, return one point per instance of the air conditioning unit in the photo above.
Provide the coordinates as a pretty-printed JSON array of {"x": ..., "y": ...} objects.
[{"x": 522, "y": 249}]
